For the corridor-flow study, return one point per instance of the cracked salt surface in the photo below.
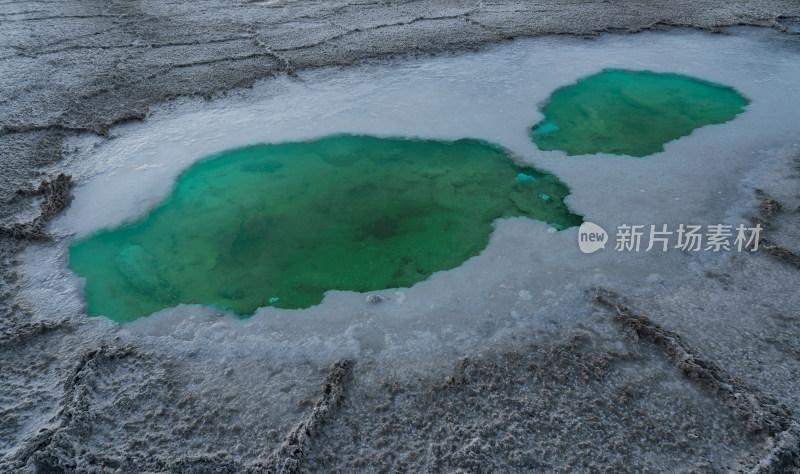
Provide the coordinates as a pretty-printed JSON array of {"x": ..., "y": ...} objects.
[{"x": 527, "y": 276}]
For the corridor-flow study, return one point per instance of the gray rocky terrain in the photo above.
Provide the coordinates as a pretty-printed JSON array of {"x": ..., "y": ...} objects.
[{"x": 696, "y": 374}]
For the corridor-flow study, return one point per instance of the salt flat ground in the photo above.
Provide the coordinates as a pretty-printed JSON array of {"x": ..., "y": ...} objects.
[{"x": 507, "y": 361}]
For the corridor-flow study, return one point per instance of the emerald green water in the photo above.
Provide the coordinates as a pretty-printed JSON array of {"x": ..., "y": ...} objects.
[
  {"x": 280, "y": 224},
  {"x": 631, "y": 112}
]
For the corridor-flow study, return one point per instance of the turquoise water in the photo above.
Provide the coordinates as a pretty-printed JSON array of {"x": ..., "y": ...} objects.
[
  {"x": 281, "y": 224},
  {"x": 631, "y": 112}
]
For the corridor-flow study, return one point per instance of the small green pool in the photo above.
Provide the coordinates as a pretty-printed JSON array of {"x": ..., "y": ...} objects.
[
  {"x": 631, "y": 113},
  {"x": 281, "y": 224}
]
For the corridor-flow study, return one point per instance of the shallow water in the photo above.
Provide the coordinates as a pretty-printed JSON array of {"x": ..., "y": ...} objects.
[
  {"x": 526, "y": 277},
  {"x": 632, "y": 113},
  {"x": 279, "y": 225}
]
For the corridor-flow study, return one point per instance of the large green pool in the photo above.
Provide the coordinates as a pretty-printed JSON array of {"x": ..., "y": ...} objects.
[{"x": 281, "y": 224}]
